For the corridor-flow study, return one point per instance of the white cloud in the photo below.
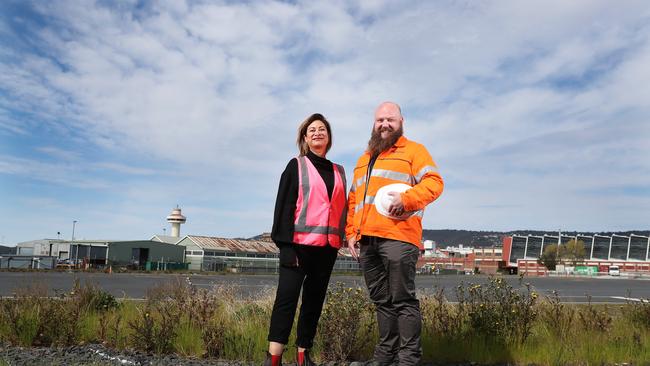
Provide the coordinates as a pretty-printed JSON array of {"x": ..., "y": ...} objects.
[{"x": 510, "y": 97}]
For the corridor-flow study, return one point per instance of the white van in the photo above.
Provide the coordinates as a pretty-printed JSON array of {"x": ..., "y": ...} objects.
[{"x": 614, "y": 271}]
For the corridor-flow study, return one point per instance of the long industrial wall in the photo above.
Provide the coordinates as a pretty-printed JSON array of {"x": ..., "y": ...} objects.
[{"x": 633, "y": 248}]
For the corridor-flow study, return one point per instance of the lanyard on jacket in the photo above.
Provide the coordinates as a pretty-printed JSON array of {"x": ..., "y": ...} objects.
[{"x": 371, "y": 164}]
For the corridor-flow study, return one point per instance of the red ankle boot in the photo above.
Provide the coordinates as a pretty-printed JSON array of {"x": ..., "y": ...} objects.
[
  {"x": 304, "y": 359},
  {"x": 273, "y": 360}
]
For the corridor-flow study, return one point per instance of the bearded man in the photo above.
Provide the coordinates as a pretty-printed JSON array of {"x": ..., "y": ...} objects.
[{"x": 389, "y": 237}]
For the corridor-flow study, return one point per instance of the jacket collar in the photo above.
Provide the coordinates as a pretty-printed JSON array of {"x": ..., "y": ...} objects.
[{"x": 401, "y": 142}]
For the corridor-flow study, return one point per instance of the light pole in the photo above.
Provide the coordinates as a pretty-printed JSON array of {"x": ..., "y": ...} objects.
[
  {"x": 74, "y": 222},
  {"x": 76, "y": 251}
]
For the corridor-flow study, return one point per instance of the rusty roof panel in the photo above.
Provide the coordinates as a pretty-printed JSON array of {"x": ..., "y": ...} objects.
[
  {"x": 243, "y": 245},
  {"x": 234, "y": 245}
]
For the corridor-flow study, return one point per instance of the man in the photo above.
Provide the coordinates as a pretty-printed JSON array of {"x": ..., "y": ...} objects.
[{"x": 390, "y": 243}]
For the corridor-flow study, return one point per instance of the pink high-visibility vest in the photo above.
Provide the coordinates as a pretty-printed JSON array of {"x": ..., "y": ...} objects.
[{"x": 319, "y": 221}]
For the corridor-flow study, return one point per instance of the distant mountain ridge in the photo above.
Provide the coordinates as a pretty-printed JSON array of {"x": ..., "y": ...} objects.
[
  {"x": 7, "y": 250},
  {"x": 471, "y": 238}
]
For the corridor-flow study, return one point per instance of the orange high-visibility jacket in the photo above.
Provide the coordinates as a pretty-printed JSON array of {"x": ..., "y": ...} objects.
[{"x": 405, "y": 162}]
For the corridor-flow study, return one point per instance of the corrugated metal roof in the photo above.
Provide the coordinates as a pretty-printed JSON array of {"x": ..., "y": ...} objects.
[
  {"x": 233, "y": 245},
  {"x": 242, "y": 245}
]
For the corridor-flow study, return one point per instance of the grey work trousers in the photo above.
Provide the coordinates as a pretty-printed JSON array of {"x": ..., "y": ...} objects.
[{"x": 389, "y": 270}]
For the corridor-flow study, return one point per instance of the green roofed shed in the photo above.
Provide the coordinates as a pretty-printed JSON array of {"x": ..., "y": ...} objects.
[{"x": 145, "y": 254}]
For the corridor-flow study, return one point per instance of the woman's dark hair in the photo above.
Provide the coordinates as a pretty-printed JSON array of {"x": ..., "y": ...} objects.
[{"x": 303, "y": 148}]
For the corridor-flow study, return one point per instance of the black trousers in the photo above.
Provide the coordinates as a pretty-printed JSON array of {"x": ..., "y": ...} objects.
[
  {"x": 312, "y": 276},
  {"x": 389, "y": 270}
]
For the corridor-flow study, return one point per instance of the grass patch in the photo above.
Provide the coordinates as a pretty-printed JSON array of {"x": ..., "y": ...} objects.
[
  {"x": 188, "y": 340},
  {"x": 491, "y": 323}
]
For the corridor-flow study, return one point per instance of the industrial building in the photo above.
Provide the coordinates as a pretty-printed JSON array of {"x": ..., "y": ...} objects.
[
  {"x": 161, "y": 252},
  {"x": 45, "y": 247},
  {"x": 461, "y": 259},
  {"x": 207, "y": 253},
  {"x": 134, "y": 254},
  {"x": 630, "y": 253}
]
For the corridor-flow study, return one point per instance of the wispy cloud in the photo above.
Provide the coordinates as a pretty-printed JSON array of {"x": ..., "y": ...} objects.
[{"x": 528, "y": 108}]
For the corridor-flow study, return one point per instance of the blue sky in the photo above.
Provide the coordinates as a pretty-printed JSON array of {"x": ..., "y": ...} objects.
[{"x": 536, "y": 112}]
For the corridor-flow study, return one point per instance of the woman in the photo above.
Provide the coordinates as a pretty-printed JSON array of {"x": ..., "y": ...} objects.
[{"x": 308, "y": 227}]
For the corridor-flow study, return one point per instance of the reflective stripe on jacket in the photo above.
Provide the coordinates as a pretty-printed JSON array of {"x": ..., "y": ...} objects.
[
  {"x": 405, "y": 162},
  {"x": 319, "y": 221}
]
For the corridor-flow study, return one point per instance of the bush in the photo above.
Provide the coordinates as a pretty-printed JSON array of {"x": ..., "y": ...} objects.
[
  {"x": 639, "y": 313},
  {"x": 499, "y": 312},
  {"x": 593, "y": 318},
  {"x": 440, "y": 319},
  {"x": 92, "y": 298},
  {"x": 346, "y": 324},
  {"x": 557, "y": 317},
  {"x": 33, "y": 319}
]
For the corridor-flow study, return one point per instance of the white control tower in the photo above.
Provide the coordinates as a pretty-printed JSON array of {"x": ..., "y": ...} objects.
[{"x": 176, "y": 219}]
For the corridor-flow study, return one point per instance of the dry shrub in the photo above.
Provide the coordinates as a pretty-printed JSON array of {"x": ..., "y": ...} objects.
[
  {"x": 638, "y": 312},
  {"x": 346, "y": 323},
  {"x": 557, "y": 317},
  {"x": 440, "y": 319},
  {"x": 498, "y": 311},
  {"x": 34, "y": 319},
  {"x": 206, "y": 309},
  {"x": 593, "y": 318},
  {"x": 156, "y": 327}
]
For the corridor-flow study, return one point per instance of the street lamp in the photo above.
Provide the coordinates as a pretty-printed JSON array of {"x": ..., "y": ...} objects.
[
  {"x": 76, "y": 252},
  {"x": 74, "y": 222}
]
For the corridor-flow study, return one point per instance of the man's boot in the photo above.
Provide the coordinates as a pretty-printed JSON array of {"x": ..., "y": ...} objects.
[
  {"x": 273, "y": 360},
  {"x": 304, "y": 359}
]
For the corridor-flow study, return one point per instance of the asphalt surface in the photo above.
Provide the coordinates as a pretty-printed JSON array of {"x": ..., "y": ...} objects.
[{"x": 135, "y": 285}]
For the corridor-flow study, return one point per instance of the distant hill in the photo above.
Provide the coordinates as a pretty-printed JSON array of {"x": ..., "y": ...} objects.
[
  {"x": 7, "y": 250},
  {"x": 471, "y": 238}
]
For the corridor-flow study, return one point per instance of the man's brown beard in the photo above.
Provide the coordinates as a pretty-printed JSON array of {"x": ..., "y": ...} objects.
[{"x": 377, "y": 144}]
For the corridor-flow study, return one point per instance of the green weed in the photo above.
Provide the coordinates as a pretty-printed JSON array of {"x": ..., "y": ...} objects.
[
  {"x": 188, "y": 340},
  {"x": 491, "y": 323},
  {"x": 346, "y": 322}
]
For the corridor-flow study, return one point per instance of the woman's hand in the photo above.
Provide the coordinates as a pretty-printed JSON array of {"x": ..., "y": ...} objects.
[
  {"x": 288, "y": 257},
  {"x": 352, "y": 247}
]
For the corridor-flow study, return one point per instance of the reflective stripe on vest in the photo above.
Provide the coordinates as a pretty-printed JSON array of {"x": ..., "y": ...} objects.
[
  {"x": 319, "y": 221},
  {"x": 423, "y": 171},
  {"x": 393, "y": 175}
]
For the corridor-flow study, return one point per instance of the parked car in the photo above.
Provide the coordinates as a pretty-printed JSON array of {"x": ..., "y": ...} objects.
[
  {"x": 64, "y": 264},
  {"x": 614, "y": 271}
]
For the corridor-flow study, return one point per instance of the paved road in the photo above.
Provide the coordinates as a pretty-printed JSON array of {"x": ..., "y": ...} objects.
[{"x": 135, "y": 285}]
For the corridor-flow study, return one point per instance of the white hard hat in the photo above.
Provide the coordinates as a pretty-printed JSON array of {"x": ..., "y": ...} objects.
[{"x": 383, "y": 200}]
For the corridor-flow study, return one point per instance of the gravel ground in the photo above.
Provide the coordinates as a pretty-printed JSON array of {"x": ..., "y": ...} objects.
[{"x": 98, "y": 355}]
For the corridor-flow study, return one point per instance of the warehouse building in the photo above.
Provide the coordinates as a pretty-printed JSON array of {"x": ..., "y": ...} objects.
[
  {"x": 49, "y": 247},
  {"x": 146, "y": 255},
  {"x": 98, "y": 254},
  {"x": 207, "y": 253}
]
